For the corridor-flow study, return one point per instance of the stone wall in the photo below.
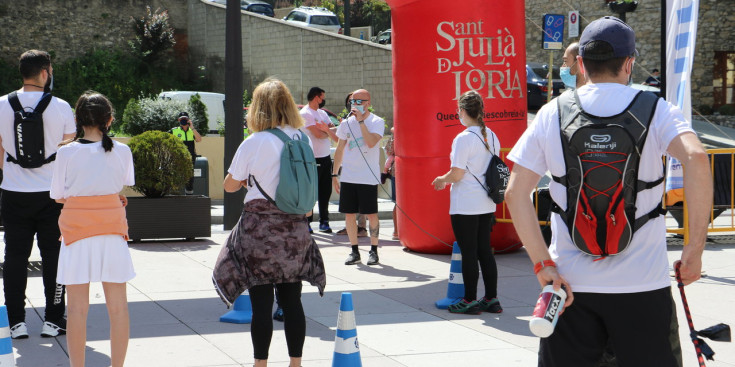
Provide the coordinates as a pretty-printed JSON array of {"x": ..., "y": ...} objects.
[
  {"x": 715, "y": 32},
  {"x": 300, "y": 57},
  {"x": 69, "y": 28}
]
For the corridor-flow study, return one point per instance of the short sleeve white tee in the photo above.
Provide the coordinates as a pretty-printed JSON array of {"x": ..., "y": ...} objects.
[
  {"x": 355, "y": 168},
  {"x": 260, "y": 155},
  {"x": 57, "y": 121},
  {"x": 467, "y": 196},
  {"x": 322, "y": 147},
  {"x": 85, "y": 169},
  {"x": 644, "y": 265}
]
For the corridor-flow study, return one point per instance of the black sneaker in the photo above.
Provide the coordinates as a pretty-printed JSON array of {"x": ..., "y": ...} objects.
[
  {"x": 278, "y": 315},
  {"x": 324, "y": 228},
  {"x": 19, "y": 331},
  {"x": 353, "y": 258},
  {"x": 373, "y": 258},
  {"x": 52, "y": 329},
  {"x": 490, "y": 305}
]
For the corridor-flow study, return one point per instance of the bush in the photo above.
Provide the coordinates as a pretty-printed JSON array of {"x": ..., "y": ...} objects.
[
  {"x": 162, "y": 163},
  {"x": 153, "y": 35},
  {"x": 705, "y": 109},
  {"x": 198, "y": 113},
  {"x": 728, "y": 110},
  {"x": 151, "y": 113}
]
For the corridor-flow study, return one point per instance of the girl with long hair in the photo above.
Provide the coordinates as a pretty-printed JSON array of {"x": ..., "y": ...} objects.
[
  {"x": 471, "y": 210},
  {"x": 90, "y": 172}
]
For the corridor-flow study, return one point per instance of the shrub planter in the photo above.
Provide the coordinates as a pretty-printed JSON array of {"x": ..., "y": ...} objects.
[{"x": 185, "y": 217}]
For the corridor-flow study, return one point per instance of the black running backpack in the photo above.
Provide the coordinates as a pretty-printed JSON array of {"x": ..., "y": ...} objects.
[
  {"x": 497, "y": 175},
  {"x": 30, "y": 146},
  {"x": 602, "y": 156}
]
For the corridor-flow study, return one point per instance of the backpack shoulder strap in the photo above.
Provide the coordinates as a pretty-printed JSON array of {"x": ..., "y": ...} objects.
[
  {"x": 14, "y": 101},
  {"x": 43, "y": 103},
  {"x": 569, "y": 107},
  {"x": 267, "y": 197},
  {"x": 280, "y": 134}
]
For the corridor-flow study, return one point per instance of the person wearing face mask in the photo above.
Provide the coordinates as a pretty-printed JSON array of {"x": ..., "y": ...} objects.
[
  {"x": 609, "y": 297},
  {"x": 570, "y": 73},
  {"x": 470, "y": 208},
  {"x": 358, "y": 154},
  {"x": 189, "y": 136},
  {"x": 318, "y": 127},
  {"x": 26, "y": 205}
]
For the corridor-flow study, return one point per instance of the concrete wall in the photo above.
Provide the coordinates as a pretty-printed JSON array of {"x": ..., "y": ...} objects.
[
  {"x": 69, "y": 28},
  {"x": 300, "y": 57},
  {"x": 715, "y": 32}
]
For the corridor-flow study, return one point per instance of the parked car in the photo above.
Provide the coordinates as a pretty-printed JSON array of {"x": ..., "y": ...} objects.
[
  {"x": 537, "y": 84},
  {"x": 253, "y": 6},
  {"x": 213, "y": 101},
  {"x": 319, "y": 18},
  {"x": 383, "y": 37}
]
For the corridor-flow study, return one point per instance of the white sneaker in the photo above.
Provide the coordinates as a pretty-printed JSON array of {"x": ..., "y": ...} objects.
[
  {"x": 51, "y": 329},
  {"x": 19, "y": 331}
]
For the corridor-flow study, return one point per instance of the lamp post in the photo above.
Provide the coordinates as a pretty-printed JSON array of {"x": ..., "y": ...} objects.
[
  {"x": 621, "y": 7},
  {"x": 233, "y": 202}
]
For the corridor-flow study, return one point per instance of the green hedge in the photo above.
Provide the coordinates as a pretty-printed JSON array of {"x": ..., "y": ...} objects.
[
  {"x": 162, "y": 163},
  {"x": 152, "y": 113}
]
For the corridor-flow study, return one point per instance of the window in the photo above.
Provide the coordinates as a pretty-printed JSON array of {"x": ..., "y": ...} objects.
[
  {"x": 324, "y": 20},
  {"x": 723, "y": 82}
]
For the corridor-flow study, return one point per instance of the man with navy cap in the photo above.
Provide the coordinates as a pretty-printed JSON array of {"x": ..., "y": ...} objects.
[{"x": 621, "y": 296}]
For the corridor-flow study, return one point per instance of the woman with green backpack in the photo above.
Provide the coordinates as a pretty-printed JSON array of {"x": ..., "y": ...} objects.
[{"x": 271, "y": 246}]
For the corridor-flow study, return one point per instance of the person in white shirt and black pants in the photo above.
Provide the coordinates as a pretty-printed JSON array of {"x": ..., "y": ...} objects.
[
  {"x": 27, "y": 209},
  {"x": 471, "y": 209}
]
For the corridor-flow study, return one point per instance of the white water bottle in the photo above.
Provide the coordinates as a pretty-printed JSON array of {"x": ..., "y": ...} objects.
[{"x": 546, "y": 314}]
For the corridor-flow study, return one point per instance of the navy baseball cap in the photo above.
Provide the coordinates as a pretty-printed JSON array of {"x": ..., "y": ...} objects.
[{"x": 613, "y": 31}]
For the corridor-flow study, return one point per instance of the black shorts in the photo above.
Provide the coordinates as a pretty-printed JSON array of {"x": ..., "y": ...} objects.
[
  {"x": 641, "y": 329},
  {"x": 358, "y": 198}
]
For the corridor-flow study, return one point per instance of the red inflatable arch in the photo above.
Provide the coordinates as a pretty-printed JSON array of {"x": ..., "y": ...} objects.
[{"x": 440, "y": 52}]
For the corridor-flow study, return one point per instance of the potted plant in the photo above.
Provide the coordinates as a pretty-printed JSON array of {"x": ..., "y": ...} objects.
[
  {"x": 622, "y": 6},
  {"x": 162, "y": 167}
]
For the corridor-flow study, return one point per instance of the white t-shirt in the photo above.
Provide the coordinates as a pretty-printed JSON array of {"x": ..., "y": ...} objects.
[
  {"x": 57, "y": 121},
  {"x": 643, "y": 266},
  {"x": 85, "y": 169},
  {"x": 322, "y": 147},
  {"x": 260, "y": 155},
  {"x": 354, "y": 168},
  {"x": 467, "y": 196}
]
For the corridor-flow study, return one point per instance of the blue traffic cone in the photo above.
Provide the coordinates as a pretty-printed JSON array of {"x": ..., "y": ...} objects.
[
  {"x": 455, "y": 290},
  {"x": 346, "y": 347},
  {"x": 7, "y": 358},
  {"x": 242, "y": 311}
]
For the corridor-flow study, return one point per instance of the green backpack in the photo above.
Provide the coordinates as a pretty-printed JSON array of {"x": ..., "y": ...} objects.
[{"x": 297, "y": 188}]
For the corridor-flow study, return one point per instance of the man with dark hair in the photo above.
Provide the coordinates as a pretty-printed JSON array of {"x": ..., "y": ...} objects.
[
  {"x": 188, "y": 135},
  {"x": 26, "y": 207},
  {"x": 318, "y": 125},
  {"x": 654, "y": 80},
  {"x": 609, "y": 297}
]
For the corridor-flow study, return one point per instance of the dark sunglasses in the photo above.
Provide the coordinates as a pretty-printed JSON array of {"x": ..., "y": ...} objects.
[{"x": 358, "y": 101}]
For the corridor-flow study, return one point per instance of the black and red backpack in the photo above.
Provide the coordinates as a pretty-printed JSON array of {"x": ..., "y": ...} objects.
[{"x": 602, "y": 156}]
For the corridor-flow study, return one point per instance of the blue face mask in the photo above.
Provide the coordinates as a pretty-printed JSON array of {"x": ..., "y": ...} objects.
[{"x": 570, "y": 81}]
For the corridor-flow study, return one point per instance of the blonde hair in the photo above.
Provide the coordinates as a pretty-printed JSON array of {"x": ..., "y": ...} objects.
[{"x": 273, "y": 106}]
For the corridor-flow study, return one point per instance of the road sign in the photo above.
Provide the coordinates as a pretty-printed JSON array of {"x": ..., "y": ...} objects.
[
  {"x": 573, "y": 24},
  {"x": 553, "y": 35}
]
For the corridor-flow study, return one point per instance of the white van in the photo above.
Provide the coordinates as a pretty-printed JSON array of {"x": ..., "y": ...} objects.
[{"x": 215, "y": 103}]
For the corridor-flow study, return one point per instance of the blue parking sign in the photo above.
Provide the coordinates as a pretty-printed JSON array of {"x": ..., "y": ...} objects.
[{"x": 553, "y": 35}]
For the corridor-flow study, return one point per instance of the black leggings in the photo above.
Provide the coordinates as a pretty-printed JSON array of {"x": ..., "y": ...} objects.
[
  {"x": 294, "y": 322},
  {"x": 473, "y": 237}
]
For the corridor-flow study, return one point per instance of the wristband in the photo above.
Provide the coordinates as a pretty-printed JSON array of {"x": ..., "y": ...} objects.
[
  {"x": 333, "y": 175},
  {"x": 542, "y": 264}
]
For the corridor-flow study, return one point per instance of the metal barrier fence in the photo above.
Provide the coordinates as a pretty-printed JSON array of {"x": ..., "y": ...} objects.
[{"x": 722, "y": 167}]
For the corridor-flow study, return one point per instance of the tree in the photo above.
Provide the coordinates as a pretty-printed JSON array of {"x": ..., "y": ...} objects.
[{"x": 153, "y": 35}]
